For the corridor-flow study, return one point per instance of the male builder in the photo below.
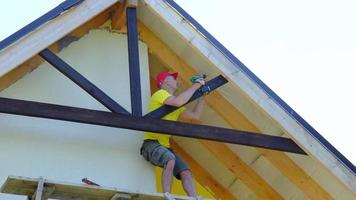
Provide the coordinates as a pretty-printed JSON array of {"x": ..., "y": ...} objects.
[{"x": 156, "y": 147}]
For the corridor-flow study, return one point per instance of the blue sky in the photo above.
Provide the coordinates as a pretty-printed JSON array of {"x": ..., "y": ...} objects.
[{"x": 304, "y": 50}]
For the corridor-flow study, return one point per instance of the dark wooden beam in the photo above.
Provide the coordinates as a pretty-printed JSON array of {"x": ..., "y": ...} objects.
[
  {"x": 44, "y": 110},
  {"x": 82, "y": 82},
  {"x": 134, "y": 63},
  {"x": 166, "y": 109}
]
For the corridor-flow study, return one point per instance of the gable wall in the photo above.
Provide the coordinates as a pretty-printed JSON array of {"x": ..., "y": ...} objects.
[{"x": 67, "y": 151}]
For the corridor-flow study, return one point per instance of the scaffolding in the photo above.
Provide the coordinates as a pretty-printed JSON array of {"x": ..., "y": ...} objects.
[{"x": 43, "y": 189}]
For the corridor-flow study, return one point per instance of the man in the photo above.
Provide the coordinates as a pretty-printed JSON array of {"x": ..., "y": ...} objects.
[{"x": 156, "y": 148}]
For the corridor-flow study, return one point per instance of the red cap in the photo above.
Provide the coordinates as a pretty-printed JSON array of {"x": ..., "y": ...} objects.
[{"x": 163, "y": 75}]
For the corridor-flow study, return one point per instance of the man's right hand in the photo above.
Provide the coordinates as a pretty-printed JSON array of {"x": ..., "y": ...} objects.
[
  {"x": 201, "y": 81},
  {"x": 198, "y": 79}
]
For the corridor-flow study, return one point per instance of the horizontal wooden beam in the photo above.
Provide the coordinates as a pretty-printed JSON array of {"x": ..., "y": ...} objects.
[
  {"x": 117, "y": 120},
  {"x": 81, "y": 81},
  {"x": 166, "y": 109}
]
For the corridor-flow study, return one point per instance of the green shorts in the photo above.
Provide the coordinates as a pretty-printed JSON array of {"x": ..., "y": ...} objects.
[{"x": 159, "y": 155}]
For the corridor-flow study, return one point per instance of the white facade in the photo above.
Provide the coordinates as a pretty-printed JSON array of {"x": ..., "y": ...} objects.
[{"x": 66, "y": 151}]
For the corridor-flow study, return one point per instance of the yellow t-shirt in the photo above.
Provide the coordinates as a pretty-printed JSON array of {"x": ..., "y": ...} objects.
[{"x": 157, "y": 100}]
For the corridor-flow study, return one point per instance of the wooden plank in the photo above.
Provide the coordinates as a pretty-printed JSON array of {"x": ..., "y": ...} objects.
[
  {"x": 242, "y": 171},
  {"x": 117, "y": 120},
  {"x": 119, "y": 196},
  {"x": 166, "y": 109},
  {"x": 39, "y": 191},
  {"x": 231, "y": 115},
  {"x": 202, "y": 176},
  {"x": 296, "y": 175},
  {"x": 24, "y": 186},
  {"x": 119, "y": 17},
  {"x": 134, "y": 62},
  {"x": 132, "y": 3},
  {"x": 82, "y": 82}
]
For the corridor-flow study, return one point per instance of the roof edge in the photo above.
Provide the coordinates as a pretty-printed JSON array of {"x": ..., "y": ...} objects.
[{"x": 58, "y": 10}]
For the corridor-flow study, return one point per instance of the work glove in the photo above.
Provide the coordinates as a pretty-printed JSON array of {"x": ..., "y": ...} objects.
[{"x": 205, "y": 89}]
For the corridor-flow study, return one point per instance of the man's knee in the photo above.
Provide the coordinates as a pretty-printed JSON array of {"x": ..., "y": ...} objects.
[
  {"x": 185, "y": 173},
  {"x": 170, "y": 164}
]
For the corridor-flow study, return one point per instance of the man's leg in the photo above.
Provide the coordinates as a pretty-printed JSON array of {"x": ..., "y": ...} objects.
[
  {"x": 187, "y": 182},
  {"x": 167, "y": 176}
]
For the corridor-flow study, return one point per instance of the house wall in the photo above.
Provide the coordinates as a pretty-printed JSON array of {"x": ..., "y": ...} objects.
[{"x": 66, "y": 151}]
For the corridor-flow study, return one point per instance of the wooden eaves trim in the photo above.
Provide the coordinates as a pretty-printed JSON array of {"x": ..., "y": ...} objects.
[{"x": 233, "y": 117}]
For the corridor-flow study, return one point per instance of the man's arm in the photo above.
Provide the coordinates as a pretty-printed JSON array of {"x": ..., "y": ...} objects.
[
  {"x": 196, "y": 112},
  {"x": 183, "y": 97}
]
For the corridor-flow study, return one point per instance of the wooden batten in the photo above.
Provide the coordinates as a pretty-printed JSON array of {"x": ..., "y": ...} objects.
[{"x": 241, "y": 170}]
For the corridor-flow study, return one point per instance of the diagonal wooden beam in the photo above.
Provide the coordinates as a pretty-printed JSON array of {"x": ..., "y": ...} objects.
[
  {"x": 81, "y": 81},
  {"x": 166, "y": 109},
  {"x": 233, "y": 117},
  {"x": 202, "y": 176}
]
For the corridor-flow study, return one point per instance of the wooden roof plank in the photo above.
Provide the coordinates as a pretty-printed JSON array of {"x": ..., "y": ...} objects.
[{"x": 242, "y": 171}]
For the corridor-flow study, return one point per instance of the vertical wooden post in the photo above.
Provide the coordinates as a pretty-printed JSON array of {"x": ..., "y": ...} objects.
[
  {"x": 39, "y": 191},
  {"x": 134, "y": 63}
]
